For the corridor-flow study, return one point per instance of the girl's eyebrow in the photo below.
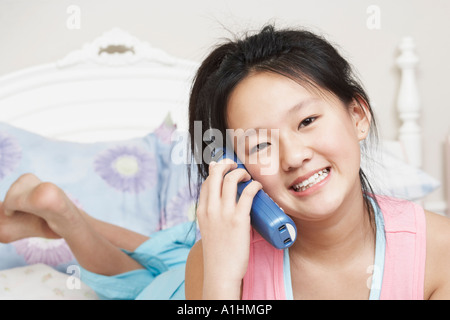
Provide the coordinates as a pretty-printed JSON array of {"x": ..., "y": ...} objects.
[
  {"x": 254, "y": 131},
  {"x": 301, "y": 104}
]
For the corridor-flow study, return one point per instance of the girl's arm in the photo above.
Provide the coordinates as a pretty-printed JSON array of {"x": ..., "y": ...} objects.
[
  {"x": 437, "y": 267},
  {"x": 194, "y": 279}
]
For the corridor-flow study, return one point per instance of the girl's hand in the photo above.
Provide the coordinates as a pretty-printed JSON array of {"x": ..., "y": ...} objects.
[{"x": 225, "y": 228}]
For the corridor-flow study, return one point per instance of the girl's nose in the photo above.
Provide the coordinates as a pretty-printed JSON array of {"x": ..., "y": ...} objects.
[{"x": 294, "y": 153}]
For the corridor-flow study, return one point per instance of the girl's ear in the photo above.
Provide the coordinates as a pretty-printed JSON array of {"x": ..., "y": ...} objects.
[{"x": 359, "y": 110}]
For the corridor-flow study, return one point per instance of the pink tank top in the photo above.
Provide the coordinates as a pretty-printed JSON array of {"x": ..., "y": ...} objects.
[{"x": 404, "y": 263}]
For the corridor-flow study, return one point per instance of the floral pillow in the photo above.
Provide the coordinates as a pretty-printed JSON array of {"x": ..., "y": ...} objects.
[{"x": 130, "y": 183}]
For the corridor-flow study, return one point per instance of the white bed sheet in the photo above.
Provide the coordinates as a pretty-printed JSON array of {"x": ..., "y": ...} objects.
[{"x": 41, "y": 282}]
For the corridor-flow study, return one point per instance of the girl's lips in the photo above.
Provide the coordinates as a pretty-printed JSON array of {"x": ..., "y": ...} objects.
[
  {"x": 310, "y": 183},
  {"x": 307, "y": 176}
]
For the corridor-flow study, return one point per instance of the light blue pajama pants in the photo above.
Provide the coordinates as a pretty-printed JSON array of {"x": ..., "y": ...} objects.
[{"x": 164, "y": 258}]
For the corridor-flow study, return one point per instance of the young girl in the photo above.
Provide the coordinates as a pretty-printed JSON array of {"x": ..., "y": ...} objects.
[{"x": 306, "y": 112}]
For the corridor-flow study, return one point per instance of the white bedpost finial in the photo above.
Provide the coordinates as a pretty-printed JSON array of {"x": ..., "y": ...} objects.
[{"x": 408, "y": 103}]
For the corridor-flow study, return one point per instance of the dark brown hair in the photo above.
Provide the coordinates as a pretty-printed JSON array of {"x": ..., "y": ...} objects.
[{"x": 298, "y": 54}]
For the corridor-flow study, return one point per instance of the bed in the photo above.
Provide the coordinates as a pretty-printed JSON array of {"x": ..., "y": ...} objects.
[{"x": 88, "y": 121}]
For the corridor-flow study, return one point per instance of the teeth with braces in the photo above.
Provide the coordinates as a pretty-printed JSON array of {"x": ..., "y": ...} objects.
[{"x": 315, "y": 178}]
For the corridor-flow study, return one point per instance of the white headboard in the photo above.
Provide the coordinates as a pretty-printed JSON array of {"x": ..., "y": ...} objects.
[
  {"x": 118, "y": 87},
  {"x": 115, "y": 87}
]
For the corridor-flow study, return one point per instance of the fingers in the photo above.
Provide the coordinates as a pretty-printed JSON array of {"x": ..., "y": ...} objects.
[
  {"x": 229, "y": 187},
  {"x": 222, "y": 184},
  {"x": 219, "y": 191},
  {"x": 217, "y": 172},
  {"x": 211, "y": 189},
  {"x": 247, "y": 196}
]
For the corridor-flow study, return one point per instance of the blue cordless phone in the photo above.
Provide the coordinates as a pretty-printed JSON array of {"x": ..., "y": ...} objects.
[{"x": 266, "y": 216}]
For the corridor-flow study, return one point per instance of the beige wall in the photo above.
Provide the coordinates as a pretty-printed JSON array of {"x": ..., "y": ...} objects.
[{"x": 35, "y": 31}]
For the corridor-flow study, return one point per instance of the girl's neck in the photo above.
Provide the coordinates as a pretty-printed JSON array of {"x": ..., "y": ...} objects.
[{"x": 342, "y": 236}]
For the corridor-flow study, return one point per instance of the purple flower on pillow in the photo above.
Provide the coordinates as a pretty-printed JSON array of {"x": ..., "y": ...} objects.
[
  {"x": 51, "y": 252},
  {"x": 10, "y": 154},
  {"x": 127, "y": 168},
  {"x": 181, "y": 208}
]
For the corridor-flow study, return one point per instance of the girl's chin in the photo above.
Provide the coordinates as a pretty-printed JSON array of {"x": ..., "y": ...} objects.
[
  {"x": 315, "y": 210},
  {"x": 311, "y": 216}
]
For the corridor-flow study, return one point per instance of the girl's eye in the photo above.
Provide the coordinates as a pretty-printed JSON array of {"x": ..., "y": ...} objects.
[
  {"x": 260, "y": 147},
  {"x": 307, "y": 122}
]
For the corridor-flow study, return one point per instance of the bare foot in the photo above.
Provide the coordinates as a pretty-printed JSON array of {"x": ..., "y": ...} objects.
[
  {"x": 52, "y": 205},
  {"x": 22, "y": 225},
  {"x": 54, "y": 213}
]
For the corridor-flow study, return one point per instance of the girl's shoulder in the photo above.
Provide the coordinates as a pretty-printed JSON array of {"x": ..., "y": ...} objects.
[{"x": 437, "y": 267}]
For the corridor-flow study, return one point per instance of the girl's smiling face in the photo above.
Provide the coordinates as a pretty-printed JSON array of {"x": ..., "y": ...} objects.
[{"x": 310, "y": 137}]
